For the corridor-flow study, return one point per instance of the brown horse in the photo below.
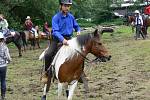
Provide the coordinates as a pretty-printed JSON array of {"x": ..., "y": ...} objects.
[
  {"x": 146, "y": 23},
  {"x": 29, "y": 37},
  {"x": 69, "y": 60},
  {"x": 15, "y": 37}
]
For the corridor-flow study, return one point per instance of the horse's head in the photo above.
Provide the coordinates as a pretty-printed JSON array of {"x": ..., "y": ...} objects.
[
  {"x": 97, "y": 47},
  {"x": 130, "y": 17}
]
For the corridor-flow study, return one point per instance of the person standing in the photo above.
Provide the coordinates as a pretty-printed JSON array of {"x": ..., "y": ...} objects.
[
  {"x": 138, "y": 24},
  {"x": 4, "y": 59}
]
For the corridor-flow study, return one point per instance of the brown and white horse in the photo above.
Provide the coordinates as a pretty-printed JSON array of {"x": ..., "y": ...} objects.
[{"x": 69, "y": 60}]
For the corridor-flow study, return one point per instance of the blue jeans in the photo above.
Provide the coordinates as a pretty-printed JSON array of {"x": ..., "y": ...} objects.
[{"x": 3, "y": 80}]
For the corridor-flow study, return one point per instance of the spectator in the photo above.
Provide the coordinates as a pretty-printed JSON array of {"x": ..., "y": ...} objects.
[{"x": 4, "y": 59}]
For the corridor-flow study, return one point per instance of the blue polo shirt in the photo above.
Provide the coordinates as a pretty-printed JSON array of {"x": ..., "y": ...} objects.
[{"x": 63, "y": 26}]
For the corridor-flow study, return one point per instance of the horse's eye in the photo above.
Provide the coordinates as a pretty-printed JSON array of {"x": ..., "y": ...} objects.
[{"x": 99, "y": 43}]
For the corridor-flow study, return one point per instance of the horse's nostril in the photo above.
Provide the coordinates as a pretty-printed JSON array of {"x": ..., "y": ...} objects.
[{"x": 109, "y": 57}]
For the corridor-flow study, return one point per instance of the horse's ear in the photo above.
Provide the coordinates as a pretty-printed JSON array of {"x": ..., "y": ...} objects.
[{"x": 96, "y": 33}]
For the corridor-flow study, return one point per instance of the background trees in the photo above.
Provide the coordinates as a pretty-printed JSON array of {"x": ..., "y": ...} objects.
[{"x": 43, "y": 10}]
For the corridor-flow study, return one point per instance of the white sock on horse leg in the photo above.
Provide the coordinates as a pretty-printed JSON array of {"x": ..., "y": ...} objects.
[
  {"x": 44, "y": 92},
  {"x": 71, "y": 90},
  {"x": 60, "y": 87}
]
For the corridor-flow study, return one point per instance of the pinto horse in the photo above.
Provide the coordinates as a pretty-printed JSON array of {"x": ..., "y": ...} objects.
[
  {"x": 146, "y": 23},
  {"x": 68, "y": 62},
  {"x": 15, "y": 37}
]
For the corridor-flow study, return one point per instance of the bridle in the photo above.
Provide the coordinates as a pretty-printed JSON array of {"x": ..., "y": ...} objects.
[{"x": 86, "y": 59}]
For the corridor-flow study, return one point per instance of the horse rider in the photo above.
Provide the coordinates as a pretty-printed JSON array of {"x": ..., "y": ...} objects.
[
  {"x": 47, "y": 31},
  {"x": 138, "y": 23},
  {"x": 147, "y": 10},
  {"x": 46, "y": 28},
  {"x": 4, "y": 26},
  {"x": 63, "y": 24},
  {"x": 29, "y": 26}
]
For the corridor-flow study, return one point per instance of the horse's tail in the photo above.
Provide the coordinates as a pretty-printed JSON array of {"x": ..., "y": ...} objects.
[
  {"x": 23, "y": 37},
  {"x": 41, "y": 57}
]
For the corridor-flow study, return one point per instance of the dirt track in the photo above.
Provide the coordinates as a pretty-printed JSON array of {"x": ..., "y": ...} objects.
[{"x": 125, "y": 77}]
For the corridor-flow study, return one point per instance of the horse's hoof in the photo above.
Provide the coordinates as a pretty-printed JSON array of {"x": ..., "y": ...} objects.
[
  {"x": 20, "y": 55},
  {"x": 67, "y": 93},
  {"x": 43, "y": 97}
]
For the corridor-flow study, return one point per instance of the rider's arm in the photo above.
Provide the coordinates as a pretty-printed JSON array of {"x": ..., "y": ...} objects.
[
  {"x": 75, "y": 25},
  {"x": 56, "y": 30},
  {"x": 5, "y": 26}
]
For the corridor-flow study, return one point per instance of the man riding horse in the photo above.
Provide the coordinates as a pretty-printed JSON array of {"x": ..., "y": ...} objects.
[
  {"x": 29, "y": 26},
  {"x": 63, "y": 24}
]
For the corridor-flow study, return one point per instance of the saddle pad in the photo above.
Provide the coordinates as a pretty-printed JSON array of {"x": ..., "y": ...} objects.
[
  {"x": 42, "y": 33},
  {"x": 12, "y": 33}
]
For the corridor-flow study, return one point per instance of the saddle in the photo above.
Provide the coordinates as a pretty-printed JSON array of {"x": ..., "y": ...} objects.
[{"x": 9, "y": 34}]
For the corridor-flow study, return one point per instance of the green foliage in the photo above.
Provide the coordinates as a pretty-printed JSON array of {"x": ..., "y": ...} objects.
[
  {"x": 103, "y": 16},
  {"x": 118, "y": 21},
  {"x": 43, "y": 10}
]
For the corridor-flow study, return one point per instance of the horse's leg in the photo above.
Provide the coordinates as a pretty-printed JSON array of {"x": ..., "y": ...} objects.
[
  {"x": 60, "y": 87},
  {"x": 146, "y": 28},
  {"x": 142, "y": 32},
  {"x": 50, "y": 75},
  {"x": 33, "y": 43},
  {"x": 24, "y": 42},
  {"x": 18, "y": 45},
  {"x": 71, "y": 90},
  {"x": 37, "y": 42},
  {"x": 44, "y": 92},
  {"x": 85, "y": 82},
  {"x": 47, "y": 85},
  {"x": 32, "y": 47}
]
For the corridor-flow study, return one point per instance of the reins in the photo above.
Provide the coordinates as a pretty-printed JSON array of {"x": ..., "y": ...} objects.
[{"x": 86, "y": 59}]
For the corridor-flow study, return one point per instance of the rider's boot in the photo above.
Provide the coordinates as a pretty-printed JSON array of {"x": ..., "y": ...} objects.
[{"x": 47, "y": 69}]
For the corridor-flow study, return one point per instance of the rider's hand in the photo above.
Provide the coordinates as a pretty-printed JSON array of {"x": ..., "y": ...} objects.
[
  {"x": 65, "y": 42},
  {"x": 78, "y": 33}
]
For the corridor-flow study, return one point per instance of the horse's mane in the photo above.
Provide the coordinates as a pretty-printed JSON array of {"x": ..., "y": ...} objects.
[
  {"x": 75, "y": 43},
  {"x": 66, "y": 53},
  {"x": 82, "y": 39}
]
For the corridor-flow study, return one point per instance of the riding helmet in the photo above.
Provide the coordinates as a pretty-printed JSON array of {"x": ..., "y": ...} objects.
[
  {"x": 65, "y": 2},
  {"x": 137, "y": 12}
]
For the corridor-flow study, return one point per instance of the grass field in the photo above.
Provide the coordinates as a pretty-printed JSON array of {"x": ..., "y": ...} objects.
[{"x": 125, "y": 77}]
